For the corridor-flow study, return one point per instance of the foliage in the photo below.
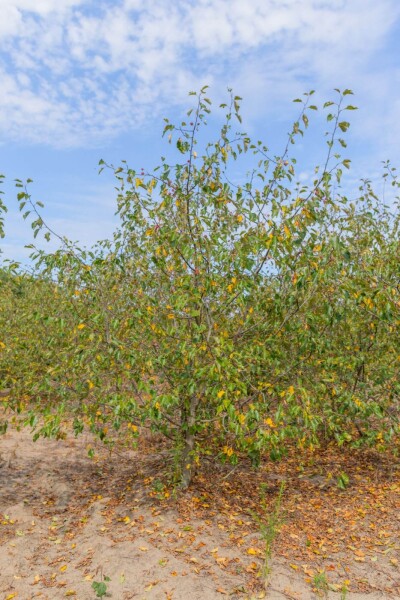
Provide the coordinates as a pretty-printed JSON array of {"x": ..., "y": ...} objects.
[
  {"x": 232, "y": 318},
  {"x": 100, "y": 587}
]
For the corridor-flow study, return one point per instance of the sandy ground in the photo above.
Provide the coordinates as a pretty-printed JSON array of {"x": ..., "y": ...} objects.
[{"x": 67, "y": 521}]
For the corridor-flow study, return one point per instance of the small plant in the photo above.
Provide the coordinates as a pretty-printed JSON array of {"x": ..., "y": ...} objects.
[
  {"x": 321, "y": 583},
  {"x": 100, "y": 587},
  {"x": 343, "y": 480},
  {"x": 343, "y": 591},
  {"x": 270, "y": 528}
]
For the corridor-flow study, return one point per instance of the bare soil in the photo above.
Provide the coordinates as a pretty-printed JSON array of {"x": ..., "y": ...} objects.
[{"x": 67, "y": 520}]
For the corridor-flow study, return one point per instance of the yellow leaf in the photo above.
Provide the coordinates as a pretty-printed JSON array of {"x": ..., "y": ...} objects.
[
  {"x": 63, "y": 568},
  {"x": 294, "y": 567},
  {"x": 81, "y": 326},
  {"x": 90, "y": 384},
  {"x": 239, "y": 218},
  {"x": 221, "y": 393},
  {"x": 252, "y": 551},
  {"x": 126, "y": 519},
  {"x": 70, "y": 593},
  {"x": 138, "y": 182},
  {"x": 10, "y": 596}
]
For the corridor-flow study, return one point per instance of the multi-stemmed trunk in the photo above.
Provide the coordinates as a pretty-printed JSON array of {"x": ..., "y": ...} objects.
[{"x": 189, "y": 438}]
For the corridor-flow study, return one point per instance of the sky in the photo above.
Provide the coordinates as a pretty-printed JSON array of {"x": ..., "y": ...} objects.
[{"x": 84, "y": 80}]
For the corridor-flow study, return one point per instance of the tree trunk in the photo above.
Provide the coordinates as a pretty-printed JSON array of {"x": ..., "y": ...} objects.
[{"x": 188, "y": 426}]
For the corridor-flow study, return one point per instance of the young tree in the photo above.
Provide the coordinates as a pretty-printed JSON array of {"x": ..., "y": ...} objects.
[{"x": 213, "y": 315}]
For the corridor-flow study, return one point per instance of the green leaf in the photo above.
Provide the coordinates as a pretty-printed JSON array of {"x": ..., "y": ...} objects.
[{"x": 343, "y": 125}]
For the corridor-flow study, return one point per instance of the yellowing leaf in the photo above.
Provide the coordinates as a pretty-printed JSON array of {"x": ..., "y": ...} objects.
[
  {"x": 126, "y": 519},
  {"x": 220, "y": 393},
  {"x": 228, "y": 450},
  {"x": 81, "y": 326}
]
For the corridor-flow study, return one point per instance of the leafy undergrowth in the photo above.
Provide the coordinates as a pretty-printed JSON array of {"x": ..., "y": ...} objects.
[{"x": 68, "y": 522}]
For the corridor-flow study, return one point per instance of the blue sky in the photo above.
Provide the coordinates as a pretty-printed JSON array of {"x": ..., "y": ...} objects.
[{"x": 88, "y": 79}]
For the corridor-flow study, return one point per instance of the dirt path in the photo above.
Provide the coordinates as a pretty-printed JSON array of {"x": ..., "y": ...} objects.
[{"x": 67, "y": 521}]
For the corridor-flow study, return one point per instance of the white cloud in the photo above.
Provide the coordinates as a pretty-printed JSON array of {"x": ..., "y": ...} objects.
[{"x": 75, "y": 72}]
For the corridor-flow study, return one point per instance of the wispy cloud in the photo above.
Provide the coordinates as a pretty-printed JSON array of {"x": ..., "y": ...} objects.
[{"x": 76, "y": 72}]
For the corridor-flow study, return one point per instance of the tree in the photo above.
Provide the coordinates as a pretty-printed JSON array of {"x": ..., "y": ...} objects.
[{"x": 213, "y": 315}]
